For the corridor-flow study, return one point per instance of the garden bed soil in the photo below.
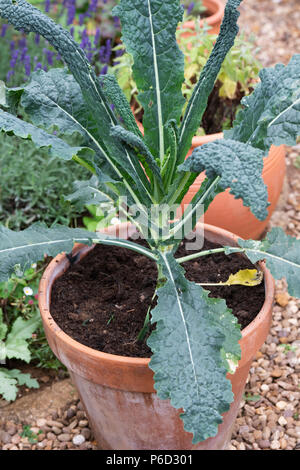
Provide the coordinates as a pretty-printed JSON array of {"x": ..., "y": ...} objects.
[{"x": 102, "y": 301}]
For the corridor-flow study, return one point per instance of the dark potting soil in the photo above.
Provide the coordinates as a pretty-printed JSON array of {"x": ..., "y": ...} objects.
[{"x": 103, "y": 300}]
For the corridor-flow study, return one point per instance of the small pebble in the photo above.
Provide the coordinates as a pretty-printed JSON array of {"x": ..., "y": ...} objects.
[{"x": 78, "y": 439}]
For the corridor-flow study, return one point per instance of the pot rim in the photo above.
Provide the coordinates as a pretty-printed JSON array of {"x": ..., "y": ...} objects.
[
  {"x": 218, "y": 11},
  {"x": 51, "y": 274}
]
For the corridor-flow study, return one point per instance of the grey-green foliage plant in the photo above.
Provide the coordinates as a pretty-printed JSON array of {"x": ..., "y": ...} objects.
[
  {"x": 14, "y": 345},
  {"x": 189, "y": 370}
]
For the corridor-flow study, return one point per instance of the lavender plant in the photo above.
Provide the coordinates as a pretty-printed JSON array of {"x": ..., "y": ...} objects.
[
  {"x": 151, "y": 170},
  {"x": 24, "y": 55}
]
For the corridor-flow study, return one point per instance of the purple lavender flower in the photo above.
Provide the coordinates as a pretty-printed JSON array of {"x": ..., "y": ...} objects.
[
  {"x": 47, "y": 5},
  {"x": 49, "y": 56},
  {"x": 23, "y": 53},
  {"x": 27, "y": 65},
  {"x": 117, "y": 23},
  {"x": 12, "y": 45},
  {"x": 105, "y": 52},
  {"x": 9, "y": 74},
  {"x": 104, "y": 70},
  {"x": 119, "y": 52},
  {"x": 37, "y": 39},
  {"x": 14, "y": 58},
  {"x": 3, "y": 30},
  {"x": 22, "y": 42},
  {"x": 85, "y": 41},
  {"x": 37, "y": 64},
  {"x": 97, "y": 37},
  {"x": 190, "y": 8},
  {"x": 93, "y": 6},
  {"x": 71, "y": 11},
  {"x": 81, "y": 18}
]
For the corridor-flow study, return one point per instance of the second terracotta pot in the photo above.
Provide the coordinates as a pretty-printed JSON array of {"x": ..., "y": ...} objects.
[
  {"x": 237, "y": 218},
  {"x": 215, "y": 12},
  {"x": 117, "y": 392}
]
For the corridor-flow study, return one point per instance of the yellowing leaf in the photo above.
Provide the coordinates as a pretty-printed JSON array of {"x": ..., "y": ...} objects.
[
  {"x": 190, "y": 71},
  {"x": 245, "y": 277},
  {"x": 228, "y": 89}
]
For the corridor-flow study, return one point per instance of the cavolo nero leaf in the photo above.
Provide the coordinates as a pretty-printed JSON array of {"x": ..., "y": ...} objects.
[
  {"x": 148, "y": 31},
  {"x": 57, "y": 147},
  {"x": 271, "y": 114},
  {"x": 137, "y": 142},
  {"x": 194, "y": 337},
  {"x": 240, "y": 167},
  {"x": 116, "y": 96},
  {"x": 54, "y": 99},
  {"x": 87, "y": 192},
  {"x": 198, "y": 101},
  {"x": 27, "y": 18},
  {"x": 281, "y": 253},
  {"x": 32, "y": 244}
]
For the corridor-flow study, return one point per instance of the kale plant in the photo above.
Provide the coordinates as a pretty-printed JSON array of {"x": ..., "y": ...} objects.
[{"x": 151, "y": 171}]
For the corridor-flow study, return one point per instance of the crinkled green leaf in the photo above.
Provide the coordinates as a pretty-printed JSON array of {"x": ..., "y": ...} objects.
[
  {"x": 198, "y": 101},
  {"x": 27, "y": 18},
  {"x": 115, "y": 94},
  {"x": 86, "y": 192},
  {"x": 271, "y": 114},
  {"x": 137, "y": 143},
  {"x": 148, "y": 31},
  {"x": 41, "y": 139},
  {"x": 240, "y": 167},
  {"x": 30, "y": 245},
  {"x": 281, "y": 253},
  {"x": 193, "y": 335},
  {"x": 54, "y": 98}
]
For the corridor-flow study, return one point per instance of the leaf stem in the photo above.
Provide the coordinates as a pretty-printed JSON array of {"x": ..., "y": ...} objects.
[{"x": 184, "y": 259}]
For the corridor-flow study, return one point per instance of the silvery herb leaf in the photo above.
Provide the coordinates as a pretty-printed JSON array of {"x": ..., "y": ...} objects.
[
  {"x": 193, "y": 337},
  {"x": 9, "y": 379},
  {"x": 239, "y": 166},
  {"x": 148, "y": 31},
  {"x": 41, "y": 139},
  {"x": 198, "y": 101},
  {"x": 281, "y": 253},
  {"x": 271, "y": 114},
  {"x": 16, "y": 345}
]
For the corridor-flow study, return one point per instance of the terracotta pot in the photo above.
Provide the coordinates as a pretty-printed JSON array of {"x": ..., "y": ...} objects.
[
  {"x": 237, "y": 218},
  {"x": 117, "y": 392},
  {"x": 215, "y": 9}
]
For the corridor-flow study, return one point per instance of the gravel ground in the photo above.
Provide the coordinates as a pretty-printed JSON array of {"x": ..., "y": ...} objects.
[{"x": 269, "y": 416}]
